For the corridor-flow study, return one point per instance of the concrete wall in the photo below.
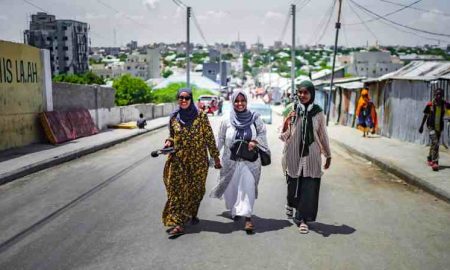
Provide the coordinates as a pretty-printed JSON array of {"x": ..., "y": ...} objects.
[
  {"x": 115, "y": 115},
  {"x": 24, "y": 89},
  {"x": 68, "y": 96}
]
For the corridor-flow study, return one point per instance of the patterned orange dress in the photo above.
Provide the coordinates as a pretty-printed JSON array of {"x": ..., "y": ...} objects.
[{"x": 186, "y": 170}]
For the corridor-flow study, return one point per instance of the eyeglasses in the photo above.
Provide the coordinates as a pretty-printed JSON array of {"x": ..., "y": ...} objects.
[{"x": 184, "y": 98}]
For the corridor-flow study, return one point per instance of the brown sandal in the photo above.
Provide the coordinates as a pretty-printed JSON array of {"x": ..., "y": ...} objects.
[
  {"x": 249, "y": 227},
  {"x": 176, "y": 231}
]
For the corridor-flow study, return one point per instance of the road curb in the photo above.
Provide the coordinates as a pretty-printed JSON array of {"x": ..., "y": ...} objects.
[
  {"x": 399, "y": 172},
  {"x": 50, "y": 162}
]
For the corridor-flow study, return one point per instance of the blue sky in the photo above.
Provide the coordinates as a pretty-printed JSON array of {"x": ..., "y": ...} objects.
[{"x": 163, "y": 21}]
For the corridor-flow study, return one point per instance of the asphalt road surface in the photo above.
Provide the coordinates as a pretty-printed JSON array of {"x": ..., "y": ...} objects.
[{"x": 103, "y": 211}]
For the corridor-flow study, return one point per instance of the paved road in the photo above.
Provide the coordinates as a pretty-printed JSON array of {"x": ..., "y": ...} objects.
[{"x": 103, "y": 211}]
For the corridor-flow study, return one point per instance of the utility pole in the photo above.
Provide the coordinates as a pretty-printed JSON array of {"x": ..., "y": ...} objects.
[
  {"x": 220, "y": 65},
  {"x": 188, "y": 49},
  {"x": 338, "y": 26},
  {"x": 293, "y": 53}
]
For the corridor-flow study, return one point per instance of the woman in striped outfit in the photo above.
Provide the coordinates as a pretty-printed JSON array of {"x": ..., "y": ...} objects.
[{"x": 305, "y": 137}]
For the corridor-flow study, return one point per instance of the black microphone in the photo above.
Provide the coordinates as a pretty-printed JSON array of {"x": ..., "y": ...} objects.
[{"x": 163, "y": 151}]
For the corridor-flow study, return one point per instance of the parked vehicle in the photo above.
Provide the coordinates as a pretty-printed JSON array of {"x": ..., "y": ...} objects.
[{"x": 208, "y": 103}]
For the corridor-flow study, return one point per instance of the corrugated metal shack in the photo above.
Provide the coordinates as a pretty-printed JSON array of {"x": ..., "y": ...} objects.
[
  {"x": 339, "y": 103},
  {"x": 401, "y": 96}
]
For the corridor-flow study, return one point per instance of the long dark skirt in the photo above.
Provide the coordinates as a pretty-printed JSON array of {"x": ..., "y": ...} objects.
[{"x": 303, "y": 195}]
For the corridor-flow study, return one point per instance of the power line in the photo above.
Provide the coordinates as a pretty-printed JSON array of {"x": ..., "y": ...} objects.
[
  {"x": 43, "y": 10},
  {"x": 399, "y": 24},
  {"x": 197, "y": 25},
  {"x": 179, "y": 3},
  {"x": 126, "y": 16},
  {"x": 416, "y": 8},
  {"x": 301, "y": 7},
  {"x": 36, "y": 6},
  {"x": 362, "y": 22},
  {"x": 286, "y": 22},
  {"x": 387, "y": 14},
  {"x": 330, "y": 15},
  {"x": 319, "y": 26}
]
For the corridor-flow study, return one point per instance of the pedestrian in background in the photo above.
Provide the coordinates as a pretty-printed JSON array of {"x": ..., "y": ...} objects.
[
  {"x": 366, "y": 114},
  {"x": 305, "y": 138},
  {"x": 239, "y": 178},
  {"x": 220, "y": 106},
  {"x": 141, "y": 122},
  {"x": 434, "y": 117},
  {"x": 186, "y": 169}
]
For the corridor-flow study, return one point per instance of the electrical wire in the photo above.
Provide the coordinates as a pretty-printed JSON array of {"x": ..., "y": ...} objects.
[
  {"x": 43, "y": 10},
  {"x": 197, "y": 25},
  {"x": 416, "y": 8},
  {"x": 126, "y": 16},
  {"x": 330, "y": 15},
  {"x": 286, "y": 23},
  {"x": 362, "y": 21},
  {"x": 399, "y": 24},
  {"x": 387, "y": 14}
]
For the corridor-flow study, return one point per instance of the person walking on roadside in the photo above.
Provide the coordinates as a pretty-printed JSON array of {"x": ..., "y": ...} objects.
[
  {"x": 220, "y": 106},
  {"x": 434, "y": 117},
  {"x": 239, "y": 178},
  {"x": 366, "y": 114},
  {"x": 305, "y": 138},
  {"x": 186, "y": 169}
]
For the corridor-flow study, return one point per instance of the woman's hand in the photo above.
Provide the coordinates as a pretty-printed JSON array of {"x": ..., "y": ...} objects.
[
  {"x": 217, "y": 164},
  {"x": 252, "y": 145},
  {"x": 168, "y": 143},
  {"x": 327, "y": 163},
  {"x": 291, "y": 114}
]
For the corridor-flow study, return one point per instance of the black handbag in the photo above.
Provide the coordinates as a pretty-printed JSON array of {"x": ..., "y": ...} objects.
[
  {"x": 240, "y": 150},
  {"x": 265, "y": 157}
]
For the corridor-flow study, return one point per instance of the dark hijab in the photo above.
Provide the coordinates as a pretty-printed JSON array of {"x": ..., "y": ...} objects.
[
  {"x": 185, "y": 116},
  {"x": 242, "y": 121},
  {"x": 306, "y": 116}
]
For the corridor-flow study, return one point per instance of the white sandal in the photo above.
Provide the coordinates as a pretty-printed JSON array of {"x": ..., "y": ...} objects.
[{"x": 303, "y": 228}]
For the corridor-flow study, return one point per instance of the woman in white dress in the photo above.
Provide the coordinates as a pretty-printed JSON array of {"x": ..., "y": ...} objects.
[{"x": 238, "y": 180}]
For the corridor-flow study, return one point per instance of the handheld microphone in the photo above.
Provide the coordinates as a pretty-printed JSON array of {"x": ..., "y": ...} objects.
[{"x": 163, "y": 151}]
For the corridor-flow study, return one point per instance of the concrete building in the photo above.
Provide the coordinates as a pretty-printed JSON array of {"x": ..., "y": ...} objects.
[
  {"x": 372, "y": 64},
  {"x": 145, "y": 66},
  {"x": 133, "y": 45},
  {"x": 213, "y": 72},
  {"x": 67, "y": 41},
  {"x": 240, "y": 46}
]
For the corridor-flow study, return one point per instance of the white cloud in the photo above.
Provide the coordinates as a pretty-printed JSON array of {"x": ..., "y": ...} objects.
[
  {"x": 273, "y": 15},
  {"x": 3, "y": 18},
  {"x": 150, "y": 4},
  {"x": 216, "y": 14}
]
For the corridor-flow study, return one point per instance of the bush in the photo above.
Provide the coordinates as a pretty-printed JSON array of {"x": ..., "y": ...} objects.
[
  {"x": 85, "y": 78},
  {"x": 131, "y": 90},
  {"x": 169, "y": 93}
]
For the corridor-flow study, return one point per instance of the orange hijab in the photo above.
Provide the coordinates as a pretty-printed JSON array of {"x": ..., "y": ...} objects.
[{"x": 363, "y": 102}]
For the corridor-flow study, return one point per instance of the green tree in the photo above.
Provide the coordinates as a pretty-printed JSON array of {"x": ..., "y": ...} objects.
[
  {"x": 166, "y": 73},
  {"x": 122, "y": 57},
  {"x": 131, "y": 90}
]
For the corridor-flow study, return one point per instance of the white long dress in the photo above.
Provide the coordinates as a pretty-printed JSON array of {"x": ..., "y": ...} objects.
[{"x": 238, "y": 180}]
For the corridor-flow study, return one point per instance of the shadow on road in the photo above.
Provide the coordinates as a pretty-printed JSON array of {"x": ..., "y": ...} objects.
[
  {"x": 326, "y": 229},
  {"x": 262, "y": 225}
]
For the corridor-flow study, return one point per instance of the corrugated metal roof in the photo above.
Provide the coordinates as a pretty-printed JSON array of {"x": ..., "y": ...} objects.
[
  {"x": 351, "y": 85},
  {"x": 338, "y": 80},
  {"x": 419, "y": 70}
]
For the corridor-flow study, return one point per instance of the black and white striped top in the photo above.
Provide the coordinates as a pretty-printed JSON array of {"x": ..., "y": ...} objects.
[{"x": 311, "y": 165}]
